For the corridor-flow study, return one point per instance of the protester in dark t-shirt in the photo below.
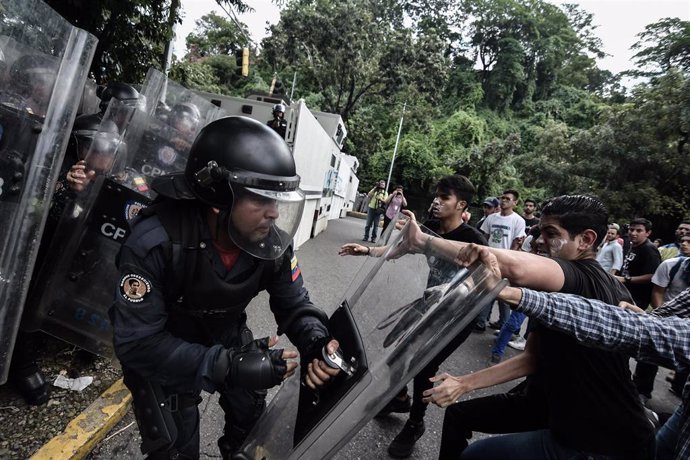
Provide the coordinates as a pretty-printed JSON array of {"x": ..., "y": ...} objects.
[
  {"x": 578, "y": 401},
  {"x": 640, "y": 263},
  {"x": 453, "y": 193},
  {"x": 601, "y": 412},
  {"x": 529, "y": 208}
]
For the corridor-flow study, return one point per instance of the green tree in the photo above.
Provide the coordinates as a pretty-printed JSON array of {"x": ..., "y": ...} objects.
[
  {"x": 663, "y": 45},
  {"x": 351, "y": 51},
  {"x": 215, "y": 35},
  {"x": 132, "y": 35}
]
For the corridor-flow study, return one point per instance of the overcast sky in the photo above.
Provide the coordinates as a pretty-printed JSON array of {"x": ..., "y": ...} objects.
[{"x": 618, "y": 20}]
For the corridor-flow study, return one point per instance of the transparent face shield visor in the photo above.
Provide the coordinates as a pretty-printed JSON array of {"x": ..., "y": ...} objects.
[{"x": 264, "y": 222}]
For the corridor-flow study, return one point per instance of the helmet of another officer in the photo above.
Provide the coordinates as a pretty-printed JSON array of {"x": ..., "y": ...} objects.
[
  {"x": 34, "y": 77},
  {"x": 185, "y": 118},
  {"x": 95, "y": 141},
  {"x": 243, "y": 167},
  {"x": 279, "y": 110},
  {"x": 123, "y": 92}
]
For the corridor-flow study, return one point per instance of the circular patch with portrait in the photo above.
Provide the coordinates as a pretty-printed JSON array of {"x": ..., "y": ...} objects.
[{"x": 134, "y": 288}]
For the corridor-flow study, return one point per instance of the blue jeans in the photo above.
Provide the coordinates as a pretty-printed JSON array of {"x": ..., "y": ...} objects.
[
  {"x": 373, "y": 218},
  {"x": 485, "y": 314},
  {"x": 510, "y": 327},
  {"x": 530, "y": 445},
  {"x": 667, "y": 436}
]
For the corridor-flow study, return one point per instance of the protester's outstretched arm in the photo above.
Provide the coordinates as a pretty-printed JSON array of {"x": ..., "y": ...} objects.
[
  {"x": 452, "y": 388},
  {"x": 663, "y": 341},
  {"x": 520, "y": 268},
  {"x": 356, "y": 249}
]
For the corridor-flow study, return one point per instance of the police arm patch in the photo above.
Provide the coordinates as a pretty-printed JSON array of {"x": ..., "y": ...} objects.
[{"x": 134, "y": 288}]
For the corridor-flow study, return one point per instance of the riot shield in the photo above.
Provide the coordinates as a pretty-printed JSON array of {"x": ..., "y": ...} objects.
[
  {"x": 44, "y": 62},
  {"x": 78, "y": 279},
  {"x": 403, "y": 311}
]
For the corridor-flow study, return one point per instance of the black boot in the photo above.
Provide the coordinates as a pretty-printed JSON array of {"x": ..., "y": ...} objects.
[{"x": 31, "y": 384}]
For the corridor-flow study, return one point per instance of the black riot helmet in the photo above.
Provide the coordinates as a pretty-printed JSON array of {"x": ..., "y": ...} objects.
[
  {"x": 278, "y": 109},
  {"x": 94, "y": 141},
  {"x": 122, "y": 92},
  {"x": 33, "y": 75},
  {"x": 238, "y": 160},
  {"x": 90, "y": 128},
  {"x": 185, "y": 117}
]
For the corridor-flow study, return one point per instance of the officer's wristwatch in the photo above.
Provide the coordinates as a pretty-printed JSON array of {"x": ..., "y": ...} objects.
[{"x": 627, "y": 278}]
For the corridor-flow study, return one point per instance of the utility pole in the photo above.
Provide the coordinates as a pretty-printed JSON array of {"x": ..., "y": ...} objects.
[
  {"x": 292, "y": 89},
  {"x": 395, "y": 149}
]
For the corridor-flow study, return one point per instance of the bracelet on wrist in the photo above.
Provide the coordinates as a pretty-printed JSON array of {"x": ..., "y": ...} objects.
[{"x": 368, "y": 250}]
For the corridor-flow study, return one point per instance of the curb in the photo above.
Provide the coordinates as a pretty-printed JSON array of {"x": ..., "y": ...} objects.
[{"x": 90, "y": 427}]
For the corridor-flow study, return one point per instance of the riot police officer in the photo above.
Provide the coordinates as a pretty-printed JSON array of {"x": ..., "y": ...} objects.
[
  {"x": 123, "y": 92},
  {"x": 100, "y": 140},
  {"x": 127, "y": 96},
  {"x": 218, "y": 234},
  {"x": 185, "y": 118},
  {"x": 33, "y": 77},
  {"x": 278, "y": 123}
]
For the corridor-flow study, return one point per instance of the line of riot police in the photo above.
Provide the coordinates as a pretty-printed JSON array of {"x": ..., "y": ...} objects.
[{"x": 69, "y": 183}]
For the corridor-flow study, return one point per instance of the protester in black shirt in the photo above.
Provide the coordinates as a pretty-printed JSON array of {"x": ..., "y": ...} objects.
[
  {"x": 530, "y": 208},
  {"x": 453, "y": 193},
  {"x": 577, "y": 401},
  {"x": 640, "y": 262}
]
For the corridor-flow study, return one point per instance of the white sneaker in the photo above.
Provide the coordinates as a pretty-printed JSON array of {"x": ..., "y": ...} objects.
[{"x": 518, "y": 344}]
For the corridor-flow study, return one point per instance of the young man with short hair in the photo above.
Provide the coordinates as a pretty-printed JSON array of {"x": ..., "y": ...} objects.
[
  {"x": 640, "y": 262},
  {"x": 504, "y": 230},
  {"x": 668, "y": 251},
  {"x": 652, "y": 337},
  {"x": 577, "y": 401},
  {"x": 453, "y": 194},
  {"x": 490, "y": 206},
  {"x": 639, "y": 265},
  {"x": 610, "y": 255},
  {"x": 529, "y": 209}
]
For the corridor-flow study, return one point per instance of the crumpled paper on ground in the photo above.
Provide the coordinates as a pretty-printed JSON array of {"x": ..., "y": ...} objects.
[{"x": 77, "y": 384}]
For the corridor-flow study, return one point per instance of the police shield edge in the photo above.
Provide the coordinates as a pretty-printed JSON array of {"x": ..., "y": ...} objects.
[
  {"x": 43, "y": 66},
  {"x": 403, "y": 311},
  {"x": 79, "y": 275}
]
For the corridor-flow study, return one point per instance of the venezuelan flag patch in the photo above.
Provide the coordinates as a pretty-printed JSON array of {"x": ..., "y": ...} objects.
[{"x": 294, "y": 266}]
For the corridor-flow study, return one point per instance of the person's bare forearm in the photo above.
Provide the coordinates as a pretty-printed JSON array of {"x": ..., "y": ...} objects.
[
  {"x": 519, "y": 366},
  {"x": 657, "y": 296},
  {"x": 510, "y": 295},
  {"x": 520, "y": 268}
]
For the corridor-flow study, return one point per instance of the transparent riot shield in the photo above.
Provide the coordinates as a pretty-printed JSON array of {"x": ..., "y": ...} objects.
[
  {"x": 44, "y": 62},
  {"x": 77, "y": 281},
  {"x": 404, "y": 311}
]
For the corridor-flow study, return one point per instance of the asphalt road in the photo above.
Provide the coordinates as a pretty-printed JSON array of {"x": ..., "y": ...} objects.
[{"x": 329, "y": 278}]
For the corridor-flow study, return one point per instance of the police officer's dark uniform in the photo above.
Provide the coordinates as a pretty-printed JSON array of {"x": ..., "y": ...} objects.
[
  {"x": 184, "y": 329},
  {"x": 278, "y": 123}
]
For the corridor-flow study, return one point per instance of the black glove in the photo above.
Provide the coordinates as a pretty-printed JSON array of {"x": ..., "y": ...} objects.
[{"x": 253, "y": 366}]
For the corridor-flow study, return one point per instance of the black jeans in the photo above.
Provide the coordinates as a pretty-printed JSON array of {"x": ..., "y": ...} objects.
[
  {"x": 421, "y": 381},
  {"x": 511, "y": 412},
  {"x": 643, "y": 378}
]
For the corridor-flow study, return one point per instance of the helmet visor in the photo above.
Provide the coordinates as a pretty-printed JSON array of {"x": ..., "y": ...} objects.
[{"x": 264, "y": 222}]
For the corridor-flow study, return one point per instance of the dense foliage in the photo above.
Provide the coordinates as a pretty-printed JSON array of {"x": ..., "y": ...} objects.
[{"x": 507, "y": 92}]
